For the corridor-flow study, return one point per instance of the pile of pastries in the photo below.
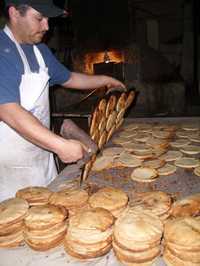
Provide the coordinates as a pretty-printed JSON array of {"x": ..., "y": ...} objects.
[
  {"x": 89, "y": 234},
  {"x": 137, "y": 226},
  {"x": 45, "y": 226},
  {"x": 12, "y": 214},
  {"x": 182, "y": 241},
  {"x": 137, "y": 237}
]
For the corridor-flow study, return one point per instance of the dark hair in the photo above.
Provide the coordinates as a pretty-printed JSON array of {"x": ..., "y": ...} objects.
[{"x": 21, "y": 8}]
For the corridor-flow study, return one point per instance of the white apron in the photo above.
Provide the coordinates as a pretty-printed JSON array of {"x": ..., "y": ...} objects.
[{"x": 21, "y": 162}]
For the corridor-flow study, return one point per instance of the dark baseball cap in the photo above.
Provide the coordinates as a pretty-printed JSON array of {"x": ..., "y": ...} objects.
[{"x": 46, "y": 7}]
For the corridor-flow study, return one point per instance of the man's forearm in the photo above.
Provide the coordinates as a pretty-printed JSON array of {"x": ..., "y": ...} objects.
[
  {"x": 84, "y": 81},
  {"x": 29, "y": 127}
]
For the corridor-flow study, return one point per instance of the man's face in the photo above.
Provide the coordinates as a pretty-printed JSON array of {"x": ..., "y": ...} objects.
[{"x": 31, "y": 27}]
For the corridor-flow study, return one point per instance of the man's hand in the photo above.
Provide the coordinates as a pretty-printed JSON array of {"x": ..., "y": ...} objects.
[
  {"x": 112, "y": 83},
  {"x": 71, "y": 151}
]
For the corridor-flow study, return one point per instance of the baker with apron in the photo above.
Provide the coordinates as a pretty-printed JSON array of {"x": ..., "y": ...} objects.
[
  {"x": 32, "y": 165},
  {"x": 26, "y": 163}
]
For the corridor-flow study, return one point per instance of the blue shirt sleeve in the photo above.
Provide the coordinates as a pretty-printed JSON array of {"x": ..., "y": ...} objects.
[
  {"x": 9, "y": 82},
  {"x": 58, "y": 72},
  {"x": 12, "y": 69}
]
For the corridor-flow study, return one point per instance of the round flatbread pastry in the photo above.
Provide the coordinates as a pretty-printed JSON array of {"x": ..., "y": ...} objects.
[
  {"x": 144, "y": 174},
  {"x": 157, "y": 152},
  {"x": 110, "y": 133},
  {"x": 195, "y": 138},
  {"x": 145, "y": 128},
  {"x": 113, "y": 151},
  {"x": 69, "y": 198},
  {"x": 119, "y": 123},
  {"x": 102, "y": 139},
  {"x": 191, "y": 127},
  {"x": 158, "y": 143},
  {"x": 96, "y": 135},
  {"x": 158, "y": 202},
  {"x": 155, "y": 163},
  {"x": 197, "y": 171},
  {"x": 187, "y": 206},
  {"x": 112, "y": 101},
  {"x": 173, "y": 260},
  {"x": 102, "y": 125},
  {"x": 165, "y": 127},
  {"x": 167, "y": 169},
  {"x": 171, "y": 155},
  {"x": 102, "y": 107},
  {"x": 13, "y": 210},
  {"x": 103, "y": 162},
  {"x": 128, "y": 160},
  {"x": 35, "y": 195},
  {"x": 130, "y": 127},
  {"x": 191, "y": 149},
  {"x": 187, "y": 162},
  {"x": 183, "y": 133},
  {"x": 127, "y": 134},
  {"x": 130, "y": 99},
  {"x": 91, "y": 226},
  {"x": 179, "y": 143},
  {"x": 142, "y": 137},
  {"x": 111, "y": 120},
  {"x": 136, "y": 228},
  {"x": 45, "y": 216},
  {"x": 109, "y": 198},
  {"x": 138, "y": 147},
  {"x": 12, "y": 240},
  {"x": 184, "y": 232},
  {"x": 137, "y": 258},
  {"x": 120, "y": 115},
  {"x": 162, "y": 134},
  {"x": 94, "y": 121},
  {"x": 142, "y": 155},
  {"x": 121, "y": 103},
  {"x": 121, "y": 141}
]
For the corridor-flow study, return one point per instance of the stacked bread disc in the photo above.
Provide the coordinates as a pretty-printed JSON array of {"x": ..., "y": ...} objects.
[
  {"x": 154, "y": 164},
  {"x": 113, "y": 199},
  {"x": 72, "y": 199},
  {"x": 182, "y": 241},
  {"x": 136, "y": 238},
  {"x": 158, "y": 202},
  {"x": 113, "y": 151},
  {"x": 187, "y": 162},
  {"x": 45, "y": 227},
  {"x": 144, "y": 174},
  {"x": 187, "y": 206},
  {"x": 197, "y": 171},
  {"x": 12, "y": 213},
  {"x": 103, "y": 162},
  {"x": 127, "y": 159},
  {"x": 89, "y": 234},
  {"x": 34, "y": 195}
]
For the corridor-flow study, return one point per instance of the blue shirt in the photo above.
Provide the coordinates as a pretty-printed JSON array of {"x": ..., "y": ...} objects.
[{"x": 12, "y": 68}]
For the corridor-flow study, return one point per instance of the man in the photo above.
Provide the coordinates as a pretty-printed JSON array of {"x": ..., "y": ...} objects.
[{"x": 27, "y": 68}]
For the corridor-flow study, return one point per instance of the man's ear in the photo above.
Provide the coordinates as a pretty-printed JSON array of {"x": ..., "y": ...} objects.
[{"x": 13, "y": 13}]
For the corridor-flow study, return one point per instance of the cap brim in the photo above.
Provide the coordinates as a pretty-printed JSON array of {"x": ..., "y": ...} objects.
[{"x": 49, "y": 11}]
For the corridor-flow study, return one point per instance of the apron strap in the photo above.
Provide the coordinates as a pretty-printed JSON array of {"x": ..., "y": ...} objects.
[
  {"x": 39, "y": 57},
  {"x": 20, "y": 50}
]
